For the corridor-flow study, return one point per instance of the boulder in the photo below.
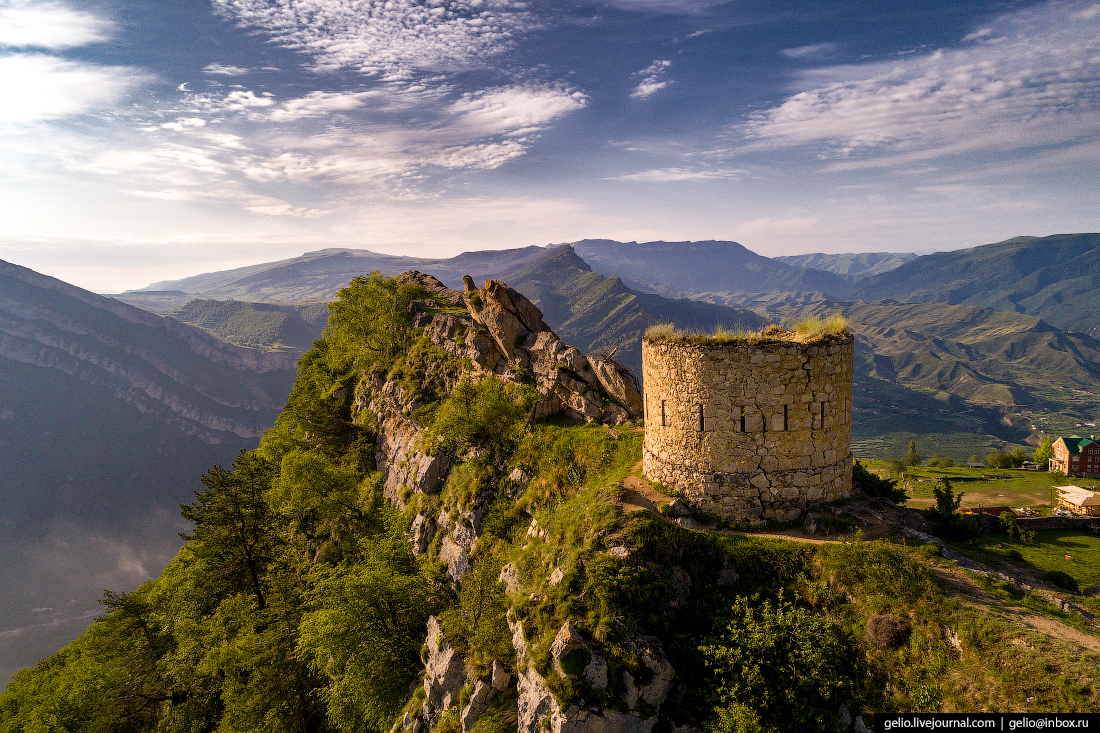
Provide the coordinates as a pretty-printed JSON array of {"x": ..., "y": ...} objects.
[
  {"x": 568, "y": 640},
  {"x": 509, "y": 575},
  {"x": 616, "y": 385},
  {"x": 456, "y": 558}
]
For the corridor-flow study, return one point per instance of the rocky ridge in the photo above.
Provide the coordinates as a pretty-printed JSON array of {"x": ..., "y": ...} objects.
[{"x": 501, "y": 333}]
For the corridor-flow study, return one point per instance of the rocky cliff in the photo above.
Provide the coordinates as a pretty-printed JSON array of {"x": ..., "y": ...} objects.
[{"x": 200, "y": 385}]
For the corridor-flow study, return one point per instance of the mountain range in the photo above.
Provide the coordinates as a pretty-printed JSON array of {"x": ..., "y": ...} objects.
[
  {"x": 110, "y": 414},
  {"x": 108, "y": 417},
  {"x": 1055, "y": 278}
]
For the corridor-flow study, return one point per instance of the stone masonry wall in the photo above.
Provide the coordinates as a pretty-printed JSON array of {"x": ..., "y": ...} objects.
[{"x": 750, "y": 432}]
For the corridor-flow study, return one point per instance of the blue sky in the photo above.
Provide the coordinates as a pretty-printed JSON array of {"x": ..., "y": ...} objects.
[{"x": 143, "y": 140}]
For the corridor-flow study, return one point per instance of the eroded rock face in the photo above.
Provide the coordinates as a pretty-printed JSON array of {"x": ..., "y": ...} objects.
[
  {"x": 400, "y": 454},
  {"x": 444, "y": 672},
  {"x": 540, "y": 712}
]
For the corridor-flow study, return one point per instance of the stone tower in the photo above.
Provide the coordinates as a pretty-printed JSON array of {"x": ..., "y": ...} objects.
[{"x": 750, "y": 429}]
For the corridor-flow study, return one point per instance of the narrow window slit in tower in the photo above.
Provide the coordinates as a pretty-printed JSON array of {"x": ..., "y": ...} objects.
[
  {"x": 664, "y": 414},
  {"x": 785, "y": 418},
  {"x": 742, "y": 418}
]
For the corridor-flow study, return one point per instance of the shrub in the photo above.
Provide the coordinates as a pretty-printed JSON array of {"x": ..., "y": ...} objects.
[
  {"x": 1063, "y": 580},
  {"x": 930, "y": 550},
  {"x": 1014, "y": 554},
  {"x": 786, "y": 663},
  {"x": 886, "y": 631},
  {"x": 872, "y": 485}
]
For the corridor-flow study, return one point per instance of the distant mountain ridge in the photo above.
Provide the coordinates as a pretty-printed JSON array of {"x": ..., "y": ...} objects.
[
  {"x": 688, "y": 269},
  {"x": 320, "y": 275},
  {"x": 854, "y": 264},
  {"x": 597, "y": 313},
  {"x": 1056, "y": 278}
]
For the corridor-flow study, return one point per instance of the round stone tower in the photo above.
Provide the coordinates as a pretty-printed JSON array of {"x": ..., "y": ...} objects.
[{"x": 750, "y": 430}]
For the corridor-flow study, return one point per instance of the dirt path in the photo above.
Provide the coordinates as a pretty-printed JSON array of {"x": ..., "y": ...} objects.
[
  {"x": 639, "y": 494},
  {"x": 1059, "y": 630}
]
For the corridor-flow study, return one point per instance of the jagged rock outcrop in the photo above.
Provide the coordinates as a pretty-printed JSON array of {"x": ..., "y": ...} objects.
[
  {"x": 444, "y": 672},
  {"x": 539, "y": 711},
  {"x": 484, "y": 692},
  {"x": 522, "y": 341}
]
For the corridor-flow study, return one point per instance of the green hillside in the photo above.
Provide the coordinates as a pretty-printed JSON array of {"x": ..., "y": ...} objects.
[
  {"x": 1056, "y": 278},
  {"x": 267, "y": 326}
]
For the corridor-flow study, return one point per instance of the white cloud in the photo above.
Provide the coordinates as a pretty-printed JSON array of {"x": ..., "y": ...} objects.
[
  {"x": 387, "y": 36},
  {"x": 653, "y": 79},
  {"x": 664, "y": 7},
  {"x": 224, "y": 70},
  {"x": 54, "y": 25},
  {"x": 319, "y": 104},
  {"x": 36, "y": 87},
  {"x": 1032, "y": 81},
  {"x": 515, "y": 110},
  {"x": 664, "y": 175},
  {"x": 815, "y": 50}
]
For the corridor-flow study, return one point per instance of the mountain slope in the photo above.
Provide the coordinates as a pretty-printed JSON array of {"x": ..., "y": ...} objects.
[
  {"x": 979, "y": 354},
  {"x": 268, "y": 326},
  {"x": 859, "y": 264},
  {"x": 687, "y": 269},
  {"x": 1056, "y": 278},
  {"x": 108, "y": 416},
  {"x": 597, "y": 313}
]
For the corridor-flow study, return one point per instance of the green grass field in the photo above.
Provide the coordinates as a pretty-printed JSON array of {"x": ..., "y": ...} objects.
[
  {"x": 1047, "y": 552},
  {"x": 1013, "y": 488}
]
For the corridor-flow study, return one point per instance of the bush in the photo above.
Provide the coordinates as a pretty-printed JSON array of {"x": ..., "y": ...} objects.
[
  {"x": 886, "y": 631},
  {"x": 1063, "y": 580},
  {"x": 1015, "y": 555},
  {"x": 873, "y": 485},
  {"x": 790, "y": 666},
  {"x": 930, "y": 550}
]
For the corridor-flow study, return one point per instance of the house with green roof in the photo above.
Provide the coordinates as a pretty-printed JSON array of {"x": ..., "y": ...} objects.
[{"x": 1076, "y": 456}]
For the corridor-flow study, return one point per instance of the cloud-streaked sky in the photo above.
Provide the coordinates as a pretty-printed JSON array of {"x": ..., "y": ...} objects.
[{"x": 144, "y": 140}]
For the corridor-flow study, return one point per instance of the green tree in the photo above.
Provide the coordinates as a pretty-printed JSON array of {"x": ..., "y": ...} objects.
[
  {"x": 477, "y": 625},
  {"x": 790, "y": 666},
  {"x": 366, "y": 630},
  {"x": 371, "y": 321},
  {"x": 483, "y": 414},
  {"x": 945, "y": 518},
  {"x": 1044, "y": 452},
  {"x": 913, "y": 458},
  {"x": 234, "y": 527}
]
